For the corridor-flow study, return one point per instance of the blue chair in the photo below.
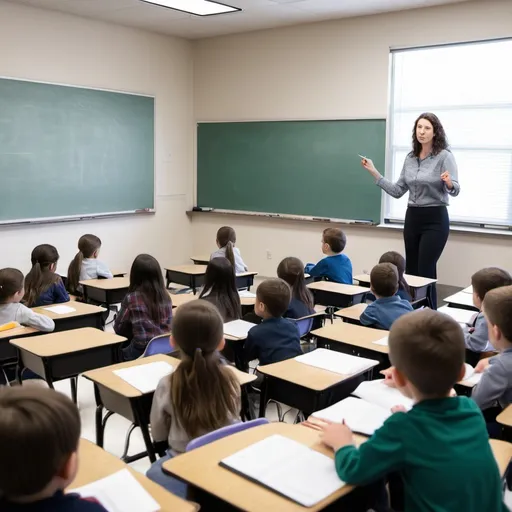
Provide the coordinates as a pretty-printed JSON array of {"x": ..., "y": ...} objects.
[
  {"x": 159, "y": 345},
  {"x": 305, "y": 324}
]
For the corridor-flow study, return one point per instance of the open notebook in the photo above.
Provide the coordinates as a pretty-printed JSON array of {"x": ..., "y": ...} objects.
[
  {"x": 238, "y": 329},
  {"x": 378, "y": 393},
  {"x": 145, "y": 377},
  {"x": 470, "y": 376},
  {"x": 463, "y": 316},
  {"x": 336, "y": 362},
  {"x": 287, "y": 467}
]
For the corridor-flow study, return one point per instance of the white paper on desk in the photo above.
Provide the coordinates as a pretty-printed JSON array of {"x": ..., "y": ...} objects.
[
  {"x": 382, "y": 341},
  {"x": 469, "y": 289},
  {"x": 463, "y": 316},
  {"x": 238, "y": 329},
  {"x": 470, "y": 375},
  {"x": 246, "y": 294},
  {"x": 120, "y": 492},
  {"x": 336, "y": 362},
  {"x": 465, "y": 299},
  {"x": 145, "y": 377},
  {"x": 60, "y": 310},
  {"x": 287, "y": 467},
  {"x": 359, "y": 415},
  {"x": 378, "y": 393}
]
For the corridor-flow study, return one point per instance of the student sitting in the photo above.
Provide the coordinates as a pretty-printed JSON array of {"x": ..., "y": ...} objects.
[
  {"x": 291, "y": 270},
  {"x": 201, "y": 395},
  {"x": 476, "y": 336},
  {"x": 85, "y": 264},
  {"x": 495, "y": 386},
  {"x": 398, "y": 260},
  {"x": 439, "y": 448},
  {"x": 226, "y": 240},
  {"x": 39, "y": 435},
  {"x": 275, "y": 338},
  {"x": 388, "y": 306},
  {"x": 220, "y": 289},
  {"x": 42, "y": 285},
  {"x": 11, "y": 309},
  {"x": 146, "y": 311},
  {"x": 336, "y": 266}
]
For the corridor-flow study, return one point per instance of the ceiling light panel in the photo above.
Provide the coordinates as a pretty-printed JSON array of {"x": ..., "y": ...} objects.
[{"x": 197, "y": 7}]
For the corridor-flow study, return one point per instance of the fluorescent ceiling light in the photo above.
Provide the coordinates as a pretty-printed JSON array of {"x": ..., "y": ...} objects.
[{"x": 197, "y": 7}]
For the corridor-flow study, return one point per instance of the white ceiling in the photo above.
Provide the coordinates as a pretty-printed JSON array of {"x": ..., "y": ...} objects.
[{"x": 255, "y": 14}]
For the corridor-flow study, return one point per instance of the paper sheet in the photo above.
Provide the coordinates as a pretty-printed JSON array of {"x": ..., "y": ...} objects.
[
  {"x": 466, "y": 299},
  {"x": 470, "y": 375},
  {"x": 378, "y": 393},
  {"x": 382, "y": 341},
  {"x": 60, "y": 310},
  {"x": 120, "y": 492},
  {"x": 463, "y": 316},
  {"x": 359, "y": 415},
  {"x": 469, "y": 289},
  {"x": 246, "y": 294},
  {"x": 289, "y": 468},
  {"x": 336, "y": 362},
  {"x": 145, "y": 377},
  {"x": 238, "y": 329}
]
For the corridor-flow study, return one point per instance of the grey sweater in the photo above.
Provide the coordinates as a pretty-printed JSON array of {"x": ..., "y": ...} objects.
[
  {"x": 422, "y": 178},
  {"x": 16, "y": 312},
  {"x": 496, "y": 382},
  {"x": 476, "y": 335}
]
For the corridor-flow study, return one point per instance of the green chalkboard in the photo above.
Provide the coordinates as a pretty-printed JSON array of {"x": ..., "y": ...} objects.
[
  {"x": 291, "y": 167},
  {"x": 70, "y": 151}
]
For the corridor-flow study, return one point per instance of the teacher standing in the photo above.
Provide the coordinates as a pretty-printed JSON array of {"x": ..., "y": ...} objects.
[{"x": 430, "y": 175}]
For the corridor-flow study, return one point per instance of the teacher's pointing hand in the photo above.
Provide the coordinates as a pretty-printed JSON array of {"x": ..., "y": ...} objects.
[{"x": 368, "y": 165}]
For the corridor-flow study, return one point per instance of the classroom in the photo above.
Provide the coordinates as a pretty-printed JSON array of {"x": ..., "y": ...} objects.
[{"x": 324, "y": 90}]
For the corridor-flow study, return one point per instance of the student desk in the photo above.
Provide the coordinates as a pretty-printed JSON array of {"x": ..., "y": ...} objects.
[
  {"x": 178, "y": 299},
  {"x": 95, "y": 464},
  {"x": 218, "y": 488},
  {"x": 335, "y": 294},
  {"x": 305, "y": 387},
  {"x": 106, "y": 291},
  {"x": 117, "y": 396},
  {"x": 200, "y": 260},
  {"x": 85, "y": 315},
  {"x": 352, "y": 313},
  {"x": 8, "y": 353},
  {"x": 462, "y": 300},
  {"x": 63, "y": 355},
  {"x": 505, "y": 417}
]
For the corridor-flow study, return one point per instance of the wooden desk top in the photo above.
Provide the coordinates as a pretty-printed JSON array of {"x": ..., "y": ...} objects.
[
  {"x": 502, "y": 453},
  {"x": 352, "y": 312},
  {"x": 463, "y": 298},
  {"x": 117, "y": 283},
  {"x": 107, "y": 378},
  {"x": 202, "y": 258},
  {"x": 66, "y": 342},
  {"x": 302, "y": 374},
  {"x": 16, "y": 333},
  {"x": 81, "y": 309},
  {"x": 201, "y": 468},
  {"x": 412, "y": 281},
  {"x": 178, "y": 299},
  {"x": 188, "y": 269},
  {"x": 342, "y": 289},
  {"x": 505, "y": 417},
  {"x": 355, "y": 335},
  {"x": 95, "y": 463}
]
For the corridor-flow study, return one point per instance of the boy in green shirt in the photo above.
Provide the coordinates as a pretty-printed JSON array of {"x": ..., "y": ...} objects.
[{"x": 440, "y": 448}]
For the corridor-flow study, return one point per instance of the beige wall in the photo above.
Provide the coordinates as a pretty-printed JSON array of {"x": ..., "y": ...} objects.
[
  {"x": 335, "y": 69},
  {"x": 49, "y": 46}
]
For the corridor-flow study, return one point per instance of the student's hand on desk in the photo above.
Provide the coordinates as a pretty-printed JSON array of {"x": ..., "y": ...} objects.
[
  {"x": 388, "y": 380},
  {"x": 447, "y": 179},
  {"x": 398, "y": 408},
  {"x": 482, "y": 365},
  {"x": 336, "y": 435}
]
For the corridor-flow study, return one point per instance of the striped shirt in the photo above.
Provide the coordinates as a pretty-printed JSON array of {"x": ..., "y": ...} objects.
[{"x": 422, "y": 178}]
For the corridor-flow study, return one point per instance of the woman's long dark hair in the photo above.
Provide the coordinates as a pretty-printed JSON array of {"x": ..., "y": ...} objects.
[
  {"x": 291, "y": 270},
  {"x": 220, "y": 284},
  {"x": 399, "y": 261},
  {"x": 439, "y": 142}
]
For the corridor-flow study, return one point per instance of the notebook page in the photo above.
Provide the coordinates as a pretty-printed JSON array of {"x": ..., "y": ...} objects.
[
  {"x": 359, "y": 415},
  {"x": 287, "y": 467},
  {"x": 382, "y": 341},
  {"x": 246, "y": 294},
  {"x": 145, "y": 377},
  {"x": 463, "y": 316},
  {"x": 469, "y": 289},
  {"x": 238, "y": 329},
  {"x": 463, "y": 298},
  {"x": 474, "y": 378},
  {"x": 120, "y": 492},
  {"x": 378, "y": 393},
  {"x": 60, "y": 310},
  {"x": 336, "y": 362}
]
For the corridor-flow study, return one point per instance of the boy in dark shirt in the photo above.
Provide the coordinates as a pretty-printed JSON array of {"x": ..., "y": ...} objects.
[{"x": 39, "y": 434}]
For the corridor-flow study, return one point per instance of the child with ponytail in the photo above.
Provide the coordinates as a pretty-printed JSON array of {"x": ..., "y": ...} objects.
[
  {"x": 226, "y": 239},
  {"x": 291, "y": 270},
  {"x": 201, "y": 395}
]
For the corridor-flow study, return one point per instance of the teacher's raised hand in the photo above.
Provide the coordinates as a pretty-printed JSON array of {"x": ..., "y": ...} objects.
[
  {"x": 368, "y": 165},
  {"x": 447, "y": 179}
]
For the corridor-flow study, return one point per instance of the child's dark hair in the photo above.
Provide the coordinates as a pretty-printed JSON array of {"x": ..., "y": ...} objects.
[
  {"x": 399, "y": 261},
  {"x": 220, "y": 282},
  {"x": 489, "y": 278},
  {"x": 498, "y": 309},
  {"x": 204, "y": 392},
  {"x": 428, "y": 348},
  {"x": 226, "y": 237},
  {"x": 41, "y": 277},
  {"x": 291, "y": 270},
  {"x": 384, "y": 279},
  {"x": 335, "y": 239},
  {"x": 39, "y": 431},
  {"x": 276, "y": 295},
  {"x": 87, "y": 246},
  {"x": 147, "y": 279},
  {"x": 11, "y": 282}
]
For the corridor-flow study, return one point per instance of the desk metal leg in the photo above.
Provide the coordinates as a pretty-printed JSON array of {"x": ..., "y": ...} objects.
[
  {"x": 74, "y": 384},
  {"x": 263, "y": 397},
  {"x": 146, "y": 436},
  {"x": 100, "y": 427},
  {"x": 247, "y": 409},
  {"x": 193, "y": 279}
]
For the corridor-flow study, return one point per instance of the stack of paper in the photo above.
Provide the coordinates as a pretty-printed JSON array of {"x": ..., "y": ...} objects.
[
  {"x": 463, "y": 316},
  {"x": 145, "y": 377},
  {"x": 378, "y": 393},
  {"x": 336, "y": 362},
  {"x": 120, "y": 492},
  {"x": 288, "y": 468},
  {"x": 246, "y": 294},
  {"x": 238, "y": 329},
  {"x": 60, "y": 310},
  {"x": 359, "y": 415},
  {"x": 382, "y": 341},
  {"x": 470, "y": 375},
  {"x": 469, "y": 289}
]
